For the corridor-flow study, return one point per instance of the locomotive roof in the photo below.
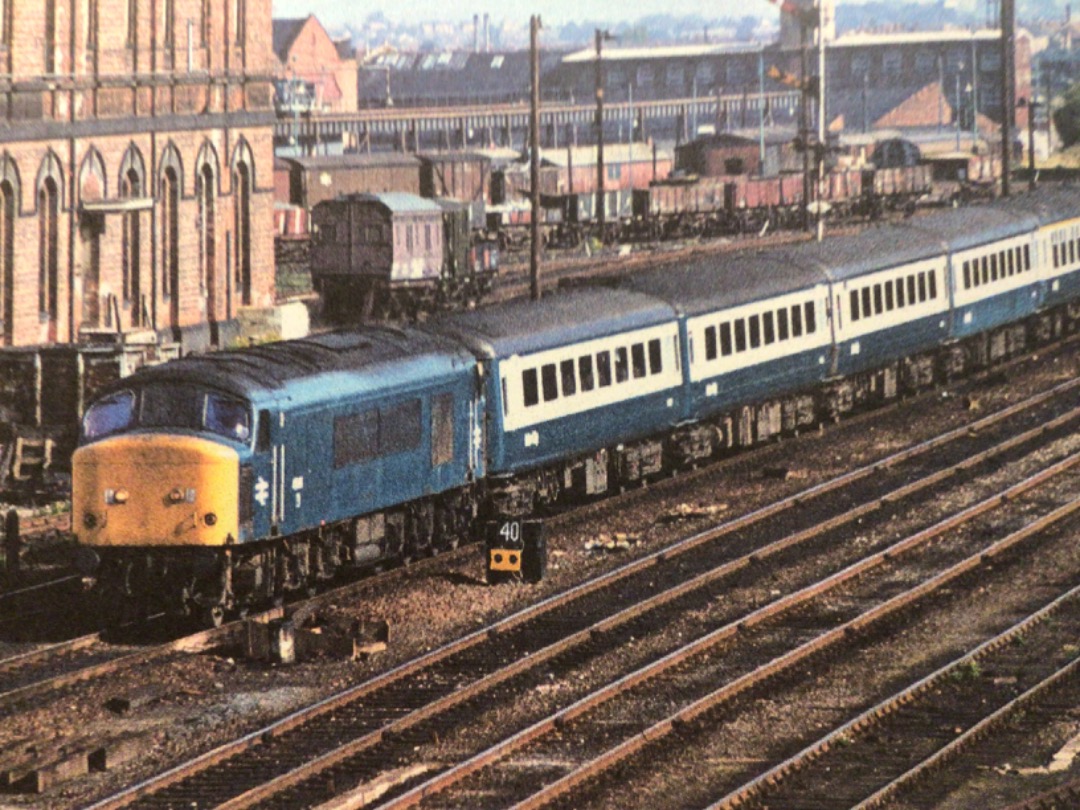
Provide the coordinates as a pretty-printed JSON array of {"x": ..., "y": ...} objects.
[
  {"x": 278, "y": 366},
  {"x": 718, "y": 282},
  {"x": 559, "y": 319}
]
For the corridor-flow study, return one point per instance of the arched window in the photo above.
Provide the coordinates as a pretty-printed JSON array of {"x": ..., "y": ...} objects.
[
  {"x": 204, "y": 191},
  {"x": 170, "y": 236},
  {"x": 242, "y": 186},
  {"x": 48, "y": 205},
  {"x": 131, "y": 250}
]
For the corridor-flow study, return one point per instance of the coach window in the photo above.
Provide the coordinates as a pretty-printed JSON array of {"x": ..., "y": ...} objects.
[
  {"x": 725, "y": 338},
  {"x": 637, "y": 357},
  {"x": 993, "y": 267},
  {"x": 710, "y": 343},
  {"x": 888, "y": 296},
  {"x": 549, "y": 382},
  {"x": 900, "y": 292},
  {"x": 529, "y": 387},
  {"x": 569, "y": 379},
  {"x": 442, "y": 429},
  {"x": 740, "y": 335},
  {"x": 755, "y": 331},
  {"x": 505, "y": 399},
  {"x": 585, "y": 371},
  {"x": 967, "y": 275},
  {"x": 622, "y": 366},
  {"x": 603, "y": 369},
  {"x": 1011, "y": 259},
  {"x": 796, "y": 321},
  {"x": 932, "y": 280},
  {"x": 855, "y": 315},
  {"x": 1072, "y": 251},
  {"x": 1056, "y": 253},
  {"x": 1027, "y": 257},
  {"x": 767, "y": 328},
  {"x": 781, "y": 324},
  {"x": 911, "y": 290},
  {"x": 985, "y": 270},
  {"x": 811, "y": 318},
  {"x": 867, "y": 304},
  {"x": 879, "y": 305},
  {"x": 656, "y": 364},
  {"x": 922, "y": 287}
]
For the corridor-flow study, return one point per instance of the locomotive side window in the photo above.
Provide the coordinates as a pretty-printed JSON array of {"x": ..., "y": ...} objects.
[
  {"x": 637, "y": 359},
  {"x": 622, "y": 368},
  {"x": 585, "y": 371},
  {"x": 655, "y": 360},
  {"x": 529, "y": 387},
  {"x": 356, "y": 437},
  {"x": 112, "y": 414},
  {"x": 399, "y": 428},
  {"x": 549, "y": 382},
  {"x": 262, "y": 443},
  {"x": 442, "y": 429},
  {"x": 569, "y": 379},
  {"x": 603, "y": 369}
]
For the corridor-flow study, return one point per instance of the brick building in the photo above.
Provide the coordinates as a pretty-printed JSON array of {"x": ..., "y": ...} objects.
[
  {"x": 306, "y": 53},
  {"x": 136, "y": 168}
]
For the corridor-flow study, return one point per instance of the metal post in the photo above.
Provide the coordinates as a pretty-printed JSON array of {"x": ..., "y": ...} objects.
[
  {"x": 956, "y": 113},
  {"x": 761, "y": 111},
  {"x": 974, "y": 97},
  {"x": 804, "y": 128},
  {"x": 534, "y": 155},
  {"x": 1032, "y": 105},
  {"x": 1008, "y": 37},
  {"x": 600, "y": 201},
  {"x": 821, "y": 120}
]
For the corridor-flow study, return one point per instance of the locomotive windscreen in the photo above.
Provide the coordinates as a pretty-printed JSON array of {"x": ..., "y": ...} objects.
[{"x": 161, "y": 406}]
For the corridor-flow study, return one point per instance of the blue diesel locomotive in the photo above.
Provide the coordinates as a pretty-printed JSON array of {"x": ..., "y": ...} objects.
[{"x": 217, "y": 482}]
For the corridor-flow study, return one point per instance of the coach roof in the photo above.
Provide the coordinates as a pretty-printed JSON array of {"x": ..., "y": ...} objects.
[
  {"x": 878, "y": 248},
  {"x": 559, "y": 319}
]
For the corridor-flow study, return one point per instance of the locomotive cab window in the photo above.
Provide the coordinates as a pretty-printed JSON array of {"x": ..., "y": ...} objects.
[{"x": 112, "y": 414}]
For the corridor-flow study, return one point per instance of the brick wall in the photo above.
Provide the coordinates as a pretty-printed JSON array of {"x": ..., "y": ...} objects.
[{"x": 121, "y": 99}]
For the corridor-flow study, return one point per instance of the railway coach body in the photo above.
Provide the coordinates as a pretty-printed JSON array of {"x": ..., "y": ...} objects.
[
  {"x": 753, "y": 327},
  {"x": 571, "y": 377},
  {"x": 1055, "y": 250},
  {"x": 992, "y": 266},
  {"x": 888, "y": 296}
]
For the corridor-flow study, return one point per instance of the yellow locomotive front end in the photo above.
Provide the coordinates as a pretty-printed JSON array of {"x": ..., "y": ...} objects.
[
  {"x": 155, "y": 490},
  {"x": 155, "y": 500}
]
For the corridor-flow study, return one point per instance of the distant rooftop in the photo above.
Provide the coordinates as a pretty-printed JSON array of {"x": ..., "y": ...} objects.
[
  {"x": 614, "y": 53},
  {"x": 913, "y": 37}
]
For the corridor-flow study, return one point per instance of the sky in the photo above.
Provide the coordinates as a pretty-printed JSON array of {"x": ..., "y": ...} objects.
[{"x": 336, "y": 12}]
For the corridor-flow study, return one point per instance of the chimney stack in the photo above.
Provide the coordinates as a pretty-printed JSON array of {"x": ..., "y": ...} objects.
[
  {"x": 476, "y": 33},
  {"x": 487, "y": 38}
]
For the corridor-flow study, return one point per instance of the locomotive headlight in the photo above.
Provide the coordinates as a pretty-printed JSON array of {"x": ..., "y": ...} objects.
[
  {"x": 89, "y": 520},
  {"x": 210, "y": 518},
  {"x": 116, "y": 496}
]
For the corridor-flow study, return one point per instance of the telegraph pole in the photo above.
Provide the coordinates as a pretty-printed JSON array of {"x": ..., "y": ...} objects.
[
  {"x": 601, "y": 201},
  {"x": 534, "y": 155},
  {"x": 1008, "y": 38}
]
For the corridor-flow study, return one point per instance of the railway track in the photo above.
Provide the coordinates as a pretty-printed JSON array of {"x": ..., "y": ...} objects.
[{"x": 360, "y": 730}]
